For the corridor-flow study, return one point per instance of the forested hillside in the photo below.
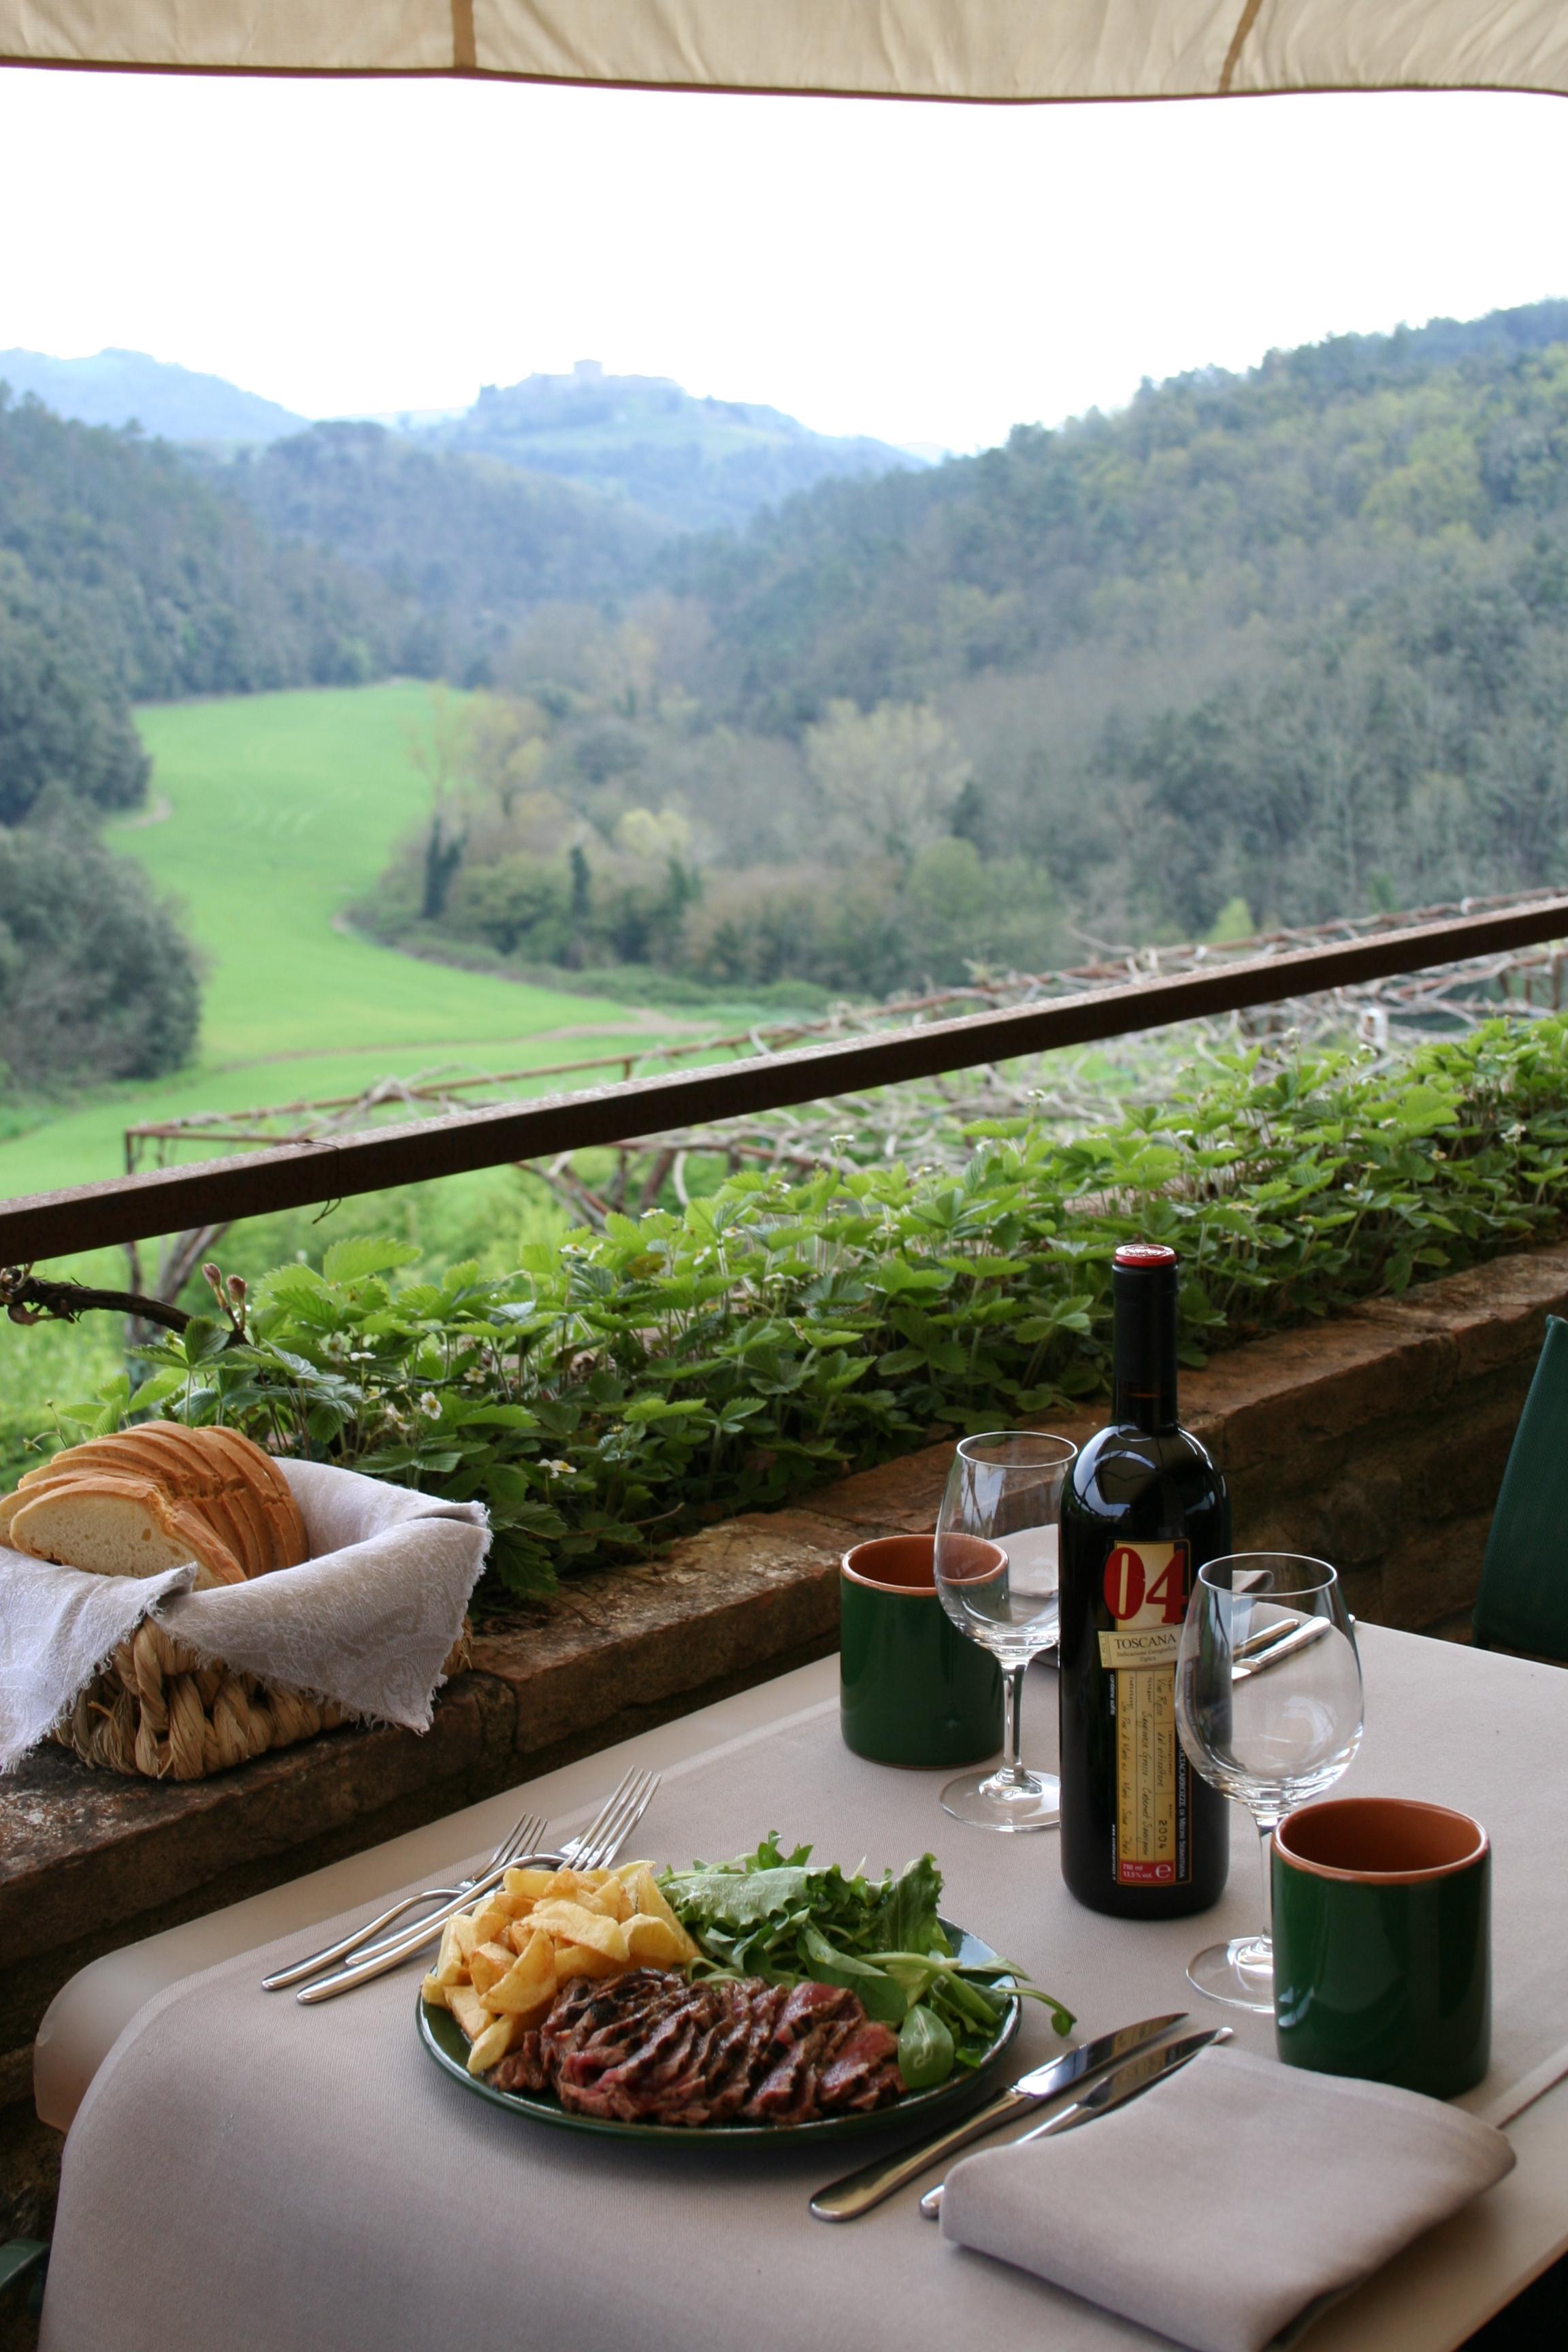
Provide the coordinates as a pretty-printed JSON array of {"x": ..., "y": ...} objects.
[
  {"x": 123, "y": 578},
  {"x": 1258, "y": 649},
  {"x": 1300, "y": 636},
  {"x": 467, "y": 544},
  {"x": 174, "y": 588}
]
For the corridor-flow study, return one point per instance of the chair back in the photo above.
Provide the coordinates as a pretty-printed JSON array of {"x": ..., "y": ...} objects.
[{"x": 1523, "y": 1601}]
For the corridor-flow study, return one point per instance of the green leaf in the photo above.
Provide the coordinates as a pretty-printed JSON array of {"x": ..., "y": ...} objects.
[
  {"x": 204, "y": 1338},
  {"x": 350, "y": 1260},
  {"x": 290, "y": 1285},
  {"x": 925, "y": 2049}
]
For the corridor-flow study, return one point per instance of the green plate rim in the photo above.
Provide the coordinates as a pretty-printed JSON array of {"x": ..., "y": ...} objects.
[{"x": 435, "y": 2026}]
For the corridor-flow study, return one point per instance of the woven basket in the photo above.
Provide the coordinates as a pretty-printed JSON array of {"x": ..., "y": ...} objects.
[{"x": 156, "y": 1712}]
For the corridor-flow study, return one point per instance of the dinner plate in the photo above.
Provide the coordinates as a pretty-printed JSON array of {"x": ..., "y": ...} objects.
[{"x": 445, "y": 2040}]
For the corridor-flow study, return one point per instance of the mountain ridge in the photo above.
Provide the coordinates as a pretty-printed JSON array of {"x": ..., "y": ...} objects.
[
  {"x": 168, "y": 401},
  {"x": 691, "y": 462}
]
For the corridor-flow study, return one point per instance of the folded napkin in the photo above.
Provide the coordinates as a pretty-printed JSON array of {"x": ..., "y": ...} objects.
[
  {"x": 1223, "y": 2203},
  {"x": 367, "y": 1621}
]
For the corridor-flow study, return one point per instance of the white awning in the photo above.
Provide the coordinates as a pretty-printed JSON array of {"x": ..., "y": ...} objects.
[{"x": 1009, "y": 50}]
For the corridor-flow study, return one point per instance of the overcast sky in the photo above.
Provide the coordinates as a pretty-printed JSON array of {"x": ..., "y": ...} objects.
[{"x": 927, "y": 273}]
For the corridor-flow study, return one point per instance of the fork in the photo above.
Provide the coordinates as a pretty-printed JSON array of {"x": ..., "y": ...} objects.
[
  {"x": 524, "y": 1832},
  {"x": 594, "y": 1848}
]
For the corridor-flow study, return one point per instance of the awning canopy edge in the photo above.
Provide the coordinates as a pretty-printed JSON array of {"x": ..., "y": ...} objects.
[{"x": 1005, "y": 51}]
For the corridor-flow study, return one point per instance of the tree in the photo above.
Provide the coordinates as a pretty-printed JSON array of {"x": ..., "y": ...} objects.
[
  {"x": 440, "y": 751},
  {"x": 62, "y": 722},
  {"x": 504, "y": 747},
  {"x": 886, "y": 779},
  {"x": 96, "y": 980}
]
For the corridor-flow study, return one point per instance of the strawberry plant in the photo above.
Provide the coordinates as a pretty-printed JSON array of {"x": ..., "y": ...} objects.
[{"x": 689, "y": 1363}]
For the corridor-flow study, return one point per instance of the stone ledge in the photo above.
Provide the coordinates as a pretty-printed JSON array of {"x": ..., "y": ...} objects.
[{"x": 1378, "y": 1439}]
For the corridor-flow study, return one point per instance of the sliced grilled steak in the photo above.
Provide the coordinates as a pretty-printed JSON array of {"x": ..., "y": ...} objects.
[
  {"x": 649, "y": 2047},
  {"x": 863, "y": 2072}
]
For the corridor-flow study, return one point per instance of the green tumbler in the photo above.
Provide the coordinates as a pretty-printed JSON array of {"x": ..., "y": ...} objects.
[
  {"x": 1382, "y": 1943},
  {"x": 912, "y": 1689}
]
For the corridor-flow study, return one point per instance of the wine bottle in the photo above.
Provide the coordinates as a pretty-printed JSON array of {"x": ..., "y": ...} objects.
[{"x": 1142, "y": 1835}]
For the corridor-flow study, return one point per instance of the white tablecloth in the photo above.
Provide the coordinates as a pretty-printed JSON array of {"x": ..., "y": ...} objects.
[{"x": 292, "y": 2179}]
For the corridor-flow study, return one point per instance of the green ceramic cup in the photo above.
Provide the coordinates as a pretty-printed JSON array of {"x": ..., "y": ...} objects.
[
  {"x": 912, "y": 1689},
  {"x": 1382, "y": 1943}
]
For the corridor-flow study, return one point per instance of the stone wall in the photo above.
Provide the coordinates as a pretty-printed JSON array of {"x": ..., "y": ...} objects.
[{"x": 1376, "y": 1440}]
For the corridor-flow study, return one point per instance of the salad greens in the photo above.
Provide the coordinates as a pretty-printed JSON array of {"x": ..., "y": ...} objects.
[{"x": 775, "y": 1914}]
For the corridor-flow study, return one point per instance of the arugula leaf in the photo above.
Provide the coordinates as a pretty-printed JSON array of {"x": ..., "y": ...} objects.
[
  {"x": 909, "y": 1920},
  {"x": 925, "y": 2049}
]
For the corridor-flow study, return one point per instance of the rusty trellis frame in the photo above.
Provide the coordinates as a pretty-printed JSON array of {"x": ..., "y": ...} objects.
[{"x": 291, "y": 1176}]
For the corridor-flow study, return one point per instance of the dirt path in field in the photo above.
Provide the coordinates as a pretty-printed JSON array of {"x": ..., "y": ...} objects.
[{"x": 161, "y": 809}]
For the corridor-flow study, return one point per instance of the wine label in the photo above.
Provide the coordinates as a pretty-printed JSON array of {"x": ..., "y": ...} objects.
[{"x": 1146, "y": 1590}]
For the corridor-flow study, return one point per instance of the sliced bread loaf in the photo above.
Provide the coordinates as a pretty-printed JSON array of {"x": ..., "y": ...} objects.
[
  {"x": 267, "y": 1480},
  {"x": 120, "y": 1527}
]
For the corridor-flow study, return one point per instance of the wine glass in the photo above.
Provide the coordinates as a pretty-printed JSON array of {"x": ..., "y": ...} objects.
[
  {"x": 1004, "y": 1494},
  {"x": 1268, "y": 1708}
]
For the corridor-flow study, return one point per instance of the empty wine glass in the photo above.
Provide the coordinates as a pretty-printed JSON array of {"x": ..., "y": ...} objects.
[
  {"x": 1268, "y": 1708},
  {"x": 1003, "y": 1493}
]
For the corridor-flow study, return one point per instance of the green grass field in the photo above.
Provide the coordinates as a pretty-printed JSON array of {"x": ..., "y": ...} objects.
[{"x": 281, "y": 811}]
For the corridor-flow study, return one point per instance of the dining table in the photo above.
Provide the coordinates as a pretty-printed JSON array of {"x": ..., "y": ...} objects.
[{"x": 308, "y": 2179}]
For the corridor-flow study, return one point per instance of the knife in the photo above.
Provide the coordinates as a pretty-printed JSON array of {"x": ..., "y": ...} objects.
[
  {"x": 1300, "y": 1636},
  {"x": 1265, "y": 1640},
  {"x": 846, "y": 2199},
  {"x": 1129, "y": 2082}
]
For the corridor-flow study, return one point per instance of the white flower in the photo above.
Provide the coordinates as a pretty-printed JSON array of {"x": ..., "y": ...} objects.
[
  {"x": 431, "y": 1404},
  {"x": 558, "y": 1469}
]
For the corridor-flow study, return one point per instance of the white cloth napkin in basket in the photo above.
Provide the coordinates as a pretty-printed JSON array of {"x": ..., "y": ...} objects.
[
  {"x": 1224, "y": 2204},
  {"x": 367, "y": 1621}
]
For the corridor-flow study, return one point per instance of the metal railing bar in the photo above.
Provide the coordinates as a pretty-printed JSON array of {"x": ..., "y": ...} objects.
[{"x": 288, "y": 1176}]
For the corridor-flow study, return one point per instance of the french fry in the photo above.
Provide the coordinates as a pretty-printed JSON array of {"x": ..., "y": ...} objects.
[
  {"x": 533, "y": 1885},
  {"x": 580, "y": 1960},
  {"x": 574, "y": 1923},
  {"x": 466, "y": 1933},
  {"x": 434, "y": 1992},
  {"x": 489, "y": 1920},
  {"x": 648, "y": 1901},
  {"x": 451, "y": 1961},
  {"x": 468, "y": 2010},
  {"x": 491, "y": 2046},
  {"x": 653, "y": 1943},
  {"x": 529, "y": 1986},
  {"x": 570, "y": 1883},
  {"x": 486, "y": 1965},
  {"x": 514, "y": 1906}
]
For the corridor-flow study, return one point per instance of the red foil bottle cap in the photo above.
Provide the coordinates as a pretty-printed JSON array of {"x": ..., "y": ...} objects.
[{"x": 1144, "y": 1257}]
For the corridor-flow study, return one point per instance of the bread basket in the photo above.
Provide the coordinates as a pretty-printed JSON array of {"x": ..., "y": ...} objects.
[{"x": 157, "y": 1713}]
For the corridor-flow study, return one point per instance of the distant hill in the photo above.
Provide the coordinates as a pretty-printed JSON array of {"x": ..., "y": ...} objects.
[
  {"x": 695, "y": 464},
  {"x": 127, "y": 387},
  {"x": 473, "y": 543}
]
